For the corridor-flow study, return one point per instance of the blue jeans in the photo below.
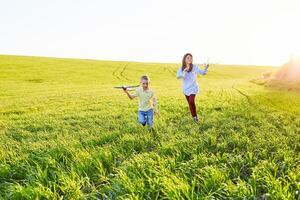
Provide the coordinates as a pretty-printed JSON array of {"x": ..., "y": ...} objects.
[{"x": 146, "y": 117}]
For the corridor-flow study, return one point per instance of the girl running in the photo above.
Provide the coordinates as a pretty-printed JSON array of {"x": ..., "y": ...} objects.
[{"x": 188, "y": 73}]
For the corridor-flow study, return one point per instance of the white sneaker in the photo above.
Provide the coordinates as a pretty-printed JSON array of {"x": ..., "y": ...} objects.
[{"x": 196, "y": 120}]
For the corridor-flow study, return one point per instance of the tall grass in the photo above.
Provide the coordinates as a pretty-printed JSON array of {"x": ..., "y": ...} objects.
[{"x": 66, "y": 134}]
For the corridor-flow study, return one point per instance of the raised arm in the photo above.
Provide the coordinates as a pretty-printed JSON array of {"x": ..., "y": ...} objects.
[
  {"x": 201, "y": 71},
  {"x": 130, "y": 96}
]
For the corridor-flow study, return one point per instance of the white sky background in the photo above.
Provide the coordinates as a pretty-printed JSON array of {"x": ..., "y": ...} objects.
[{"x": 259, "y": 32}]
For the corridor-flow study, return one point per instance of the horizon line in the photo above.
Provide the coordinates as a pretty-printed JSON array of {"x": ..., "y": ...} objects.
[{"x": 135, "y": 61}]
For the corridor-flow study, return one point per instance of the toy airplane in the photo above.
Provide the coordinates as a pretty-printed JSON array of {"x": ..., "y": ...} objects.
[{"x": 129, "y": 87}]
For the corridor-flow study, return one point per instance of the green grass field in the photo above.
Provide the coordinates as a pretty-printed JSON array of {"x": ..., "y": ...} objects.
[{"x": 65, "y": 133}]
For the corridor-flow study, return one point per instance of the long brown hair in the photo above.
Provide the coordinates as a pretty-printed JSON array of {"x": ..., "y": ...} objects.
[{"x": 184, "y": 63}]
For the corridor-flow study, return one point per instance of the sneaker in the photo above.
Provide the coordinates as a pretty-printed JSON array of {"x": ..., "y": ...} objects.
[
  {"x": 196, "y": 120},
  {"x": 144, "y": 124}
]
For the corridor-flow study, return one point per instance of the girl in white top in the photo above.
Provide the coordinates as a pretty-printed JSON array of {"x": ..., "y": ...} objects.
[{"x": 188, "y": 73}]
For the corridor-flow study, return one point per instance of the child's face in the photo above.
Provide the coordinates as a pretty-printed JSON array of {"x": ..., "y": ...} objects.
[
  {"x": 144, "y": 84},
  {"x": 189, "y": 59}
]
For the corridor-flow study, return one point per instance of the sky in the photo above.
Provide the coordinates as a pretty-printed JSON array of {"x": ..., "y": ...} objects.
[{"x": 252, "y": 32}]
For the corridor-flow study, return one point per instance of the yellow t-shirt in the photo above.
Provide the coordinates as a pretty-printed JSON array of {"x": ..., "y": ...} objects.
[{"x": 145, "y": 98}]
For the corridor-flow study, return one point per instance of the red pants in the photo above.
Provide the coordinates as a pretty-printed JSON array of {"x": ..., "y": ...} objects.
[{"x": 191, "y": 100}]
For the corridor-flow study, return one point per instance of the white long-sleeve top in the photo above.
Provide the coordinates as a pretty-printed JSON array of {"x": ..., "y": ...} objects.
[{"x": 189, "y": 79}]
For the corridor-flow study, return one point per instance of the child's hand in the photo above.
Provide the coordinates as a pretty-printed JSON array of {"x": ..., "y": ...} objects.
[
  {"x": 205, "y": 65},
  {"x": 157, "y": 113},
  {"x": 186, "y": 69}
]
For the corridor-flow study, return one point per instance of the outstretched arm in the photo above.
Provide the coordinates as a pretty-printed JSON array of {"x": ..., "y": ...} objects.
[
  {"x": 130, "y": 96},
  {"x": 202, "y": 71}
]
